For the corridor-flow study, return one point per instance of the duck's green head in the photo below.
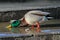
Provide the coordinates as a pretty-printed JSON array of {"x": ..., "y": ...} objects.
[{"x": 14, "y": 24}]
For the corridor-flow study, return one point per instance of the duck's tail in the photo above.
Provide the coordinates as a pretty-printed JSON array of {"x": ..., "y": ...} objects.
[{"x": 49, "y": 18}]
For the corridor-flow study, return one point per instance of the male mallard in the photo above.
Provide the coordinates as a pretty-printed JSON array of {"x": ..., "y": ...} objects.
[{"x": 35, "y": 17}]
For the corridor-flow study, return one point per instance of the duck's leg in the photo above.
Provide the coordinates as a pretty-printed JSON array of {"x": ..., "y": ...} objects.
[
  {"x": 38, "y": 27},
  {"x": 32, "y": 27}
]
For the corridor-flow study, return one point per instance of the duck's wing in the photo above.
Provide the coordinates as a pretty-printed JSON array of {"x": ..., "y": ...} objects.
[
  {"x": 43, "y": 19},
  {"x": 45, "y": 13},
  {"x": 39, "y": 13}
]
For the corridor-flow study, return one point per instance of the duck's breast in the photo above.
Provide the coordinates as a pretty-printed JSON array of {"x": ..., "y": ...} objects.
[{"x": 32, "y": 19}]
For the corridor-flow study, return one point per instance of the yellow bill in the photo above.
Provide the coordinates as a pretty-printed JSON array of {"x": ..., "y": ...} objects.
[{"x": 9, "y": 27}]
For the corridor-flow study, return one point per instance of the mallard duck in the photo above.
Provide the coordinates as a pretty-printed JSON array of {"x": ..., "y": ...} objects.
[
  {"x": 35, "y": 17},
  {"x": 14, "y": 24},
  {"x": 32, "y": 18}
]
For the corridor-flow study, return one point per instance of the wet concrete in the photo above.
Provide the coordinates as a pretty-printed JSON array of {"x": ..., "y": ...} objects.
[
  {"x": 47, "y": 33},
  {"x": 3, "y": 26}
]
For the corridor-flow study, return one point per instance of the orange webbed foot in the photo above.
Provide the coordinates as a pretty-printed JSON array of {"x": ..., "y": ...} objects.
[
  {"x": 32, "y": 28},
  {"x": 38, "y": 27}
]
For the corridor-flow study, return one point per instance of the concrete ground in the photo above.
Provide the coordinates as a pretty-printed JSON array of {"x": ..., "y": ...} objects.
[
  {"x": 8, "y": 6},
  {"x": 3, "y": 26},
  {"x": 46, "y": 32}
]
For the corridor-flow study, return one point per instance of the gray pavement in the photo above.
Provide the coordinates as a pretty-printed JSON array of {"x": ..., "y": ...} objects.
[{"x": 7, "y": 6}]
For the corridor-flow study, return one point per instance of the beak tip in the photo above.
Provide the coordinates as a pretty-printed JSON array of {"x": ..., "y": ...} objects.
[{"x": 9, "y": 27}]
